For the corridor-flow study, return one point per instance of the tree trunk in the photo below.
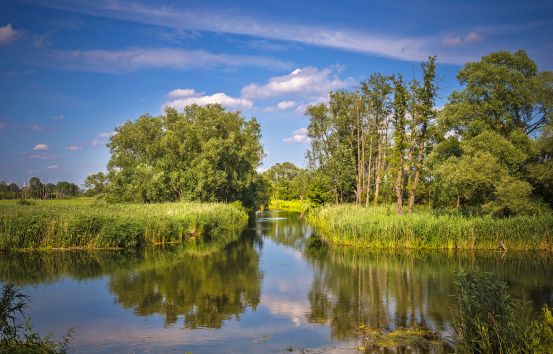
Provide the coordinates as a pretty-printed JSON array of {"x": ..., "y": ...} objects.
[
  {"x": 399, "y": 187},
  {"x": 369, "y": 175},
  {"x": 413, "y": 190}
]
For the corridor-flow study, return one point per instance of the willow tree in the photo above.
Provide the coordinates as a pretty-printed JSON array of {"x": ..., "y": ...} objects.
[{"x": 204, "y": 154}]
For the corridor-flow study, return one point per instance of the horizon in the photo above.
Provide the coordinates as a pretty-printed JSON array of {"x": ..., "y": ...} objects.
[{"x": 73, "y": 71}]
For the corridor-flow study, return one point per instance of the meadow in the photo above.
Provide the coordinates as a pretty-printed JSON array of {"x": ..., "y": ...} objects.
[
  {"x": 381, "y": 227},
  {"x": 87, "y": 223}
]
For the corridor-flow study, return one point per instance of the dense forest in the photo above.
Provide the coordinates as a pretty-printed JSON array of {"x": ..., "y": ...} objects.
[{"x": 488, "y": 150}]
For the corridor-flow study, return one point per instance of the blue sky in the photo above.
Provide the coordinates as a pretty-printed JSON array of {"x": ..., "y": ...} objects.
[{"x": 72, "y": 70}]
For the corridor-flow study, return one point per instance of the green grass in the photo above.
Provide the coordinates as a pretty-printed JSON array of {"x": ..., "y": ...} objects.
[
  {"x": 84, "y": 223},
  {"x": 381, "y": 227},
  {"x": 301, "y": 206}
]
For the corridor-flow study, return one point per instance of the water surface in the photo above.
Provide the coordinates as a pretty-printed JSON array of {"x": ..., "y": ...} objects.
[{"x": 274, "y": 288}]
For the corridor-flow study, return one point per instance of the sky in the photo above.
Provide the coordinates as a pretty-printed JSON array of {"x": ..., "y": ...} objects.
[{"x": 71, "y": 71}]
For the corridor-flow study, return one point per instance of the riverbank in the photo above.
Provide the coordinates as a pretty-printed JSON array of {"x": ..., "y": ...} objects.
[
  {"x": 85, "y": 223},
  {"x": 380, "y": 227},
  {"x": 300, "y": 206}
]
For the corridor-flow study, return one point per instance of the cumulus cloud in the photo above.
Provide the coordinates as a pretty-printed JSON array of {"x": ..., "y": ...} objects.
[
  {"x": 132, "y": 59},
  {"x": 73, "y": 148},
  {"x": 7, "y": 34},
  {"x": 191, "y": 97},
  {"x": 40, "y": 147},
  {"x": 53, "y": 167},
  {"x": 284, "y": 105},
  {"x": 306, "y": 81},
  {"x": 298, "y": 136},
  {"x": 184, "y": 93},
  {"x": 456, "y": 40},
  {"x": 281, "y": 106}
]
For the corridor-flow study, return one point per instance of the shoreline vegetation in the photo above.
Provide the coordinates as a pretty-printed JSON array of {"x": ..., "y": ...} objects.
[
  {"x": 380, "y": 227},
  {"x": 89, "y": 224}
]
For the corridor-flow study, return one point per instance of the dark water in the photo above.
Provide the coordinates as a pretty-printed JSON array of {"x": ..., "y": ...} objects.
[{"x": 275, "y": 288}]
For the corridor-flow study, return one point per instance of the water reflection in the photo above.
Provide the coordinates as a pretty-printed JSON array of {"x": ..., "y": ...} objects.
[
  {"x": 204, "y": 289},
  {"x": 275, "y": 286}
]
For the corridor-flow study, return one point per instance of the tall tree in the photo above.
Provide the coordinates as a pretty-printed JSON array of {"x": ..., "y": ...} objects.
[
  {"x": 400, "y": 138},
  {"x": 424, "y": 96}
]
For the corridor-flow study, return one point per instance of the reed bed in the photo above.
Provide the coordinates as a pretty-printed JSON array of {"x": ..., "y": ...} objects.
[
  {"x": 83, "y": 223},
  {"x": 381, "y": 227}
]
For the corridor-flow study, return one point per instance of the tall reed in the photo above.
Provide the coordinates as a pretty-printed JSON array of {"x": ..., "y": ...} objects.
[
  {"x": 381, "y": 227},
  {"x": 86, "y": 224}
]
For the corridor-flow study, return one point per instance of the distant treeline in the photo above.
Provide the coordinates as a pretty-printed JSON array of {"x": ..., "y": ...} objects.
[{"x": 37, "y": 190}]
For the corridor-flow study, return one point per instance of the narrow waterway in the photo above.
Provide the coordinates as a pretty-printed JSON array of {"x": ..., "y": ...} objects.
[{"x": 275, "y": 288}]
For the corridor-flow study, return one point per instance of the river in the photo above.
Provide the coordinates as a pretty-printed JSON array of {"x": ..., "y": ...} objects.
[{"x": 274, "y": 288}]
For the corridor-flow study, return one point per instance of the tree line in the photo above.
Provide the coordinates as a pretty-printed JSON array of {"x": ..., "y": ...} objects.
[
  {"x": 38, "y": 190},
  {"x": 488, "y": 150}
]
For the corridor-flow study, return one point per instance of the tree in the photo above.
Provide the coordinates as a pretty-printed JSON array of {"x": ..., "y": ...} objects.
[
  {"x": 400, "y": 138},
  {"x": 204, "y": 154},
  {"x": 96, "y": 183},
  {"x": 503, "y": 91}
]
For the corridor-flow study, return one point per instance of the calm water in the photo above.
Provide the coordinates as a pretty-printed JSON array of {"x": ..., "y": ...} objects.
[{"x": 273, "y": 289}]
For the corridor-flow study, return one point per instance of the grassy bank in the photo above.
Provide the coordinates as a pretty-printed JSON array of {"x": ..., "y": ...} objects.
[
  {"x": 381, "y": 227},
  {"x": 301, "y": 206},
  {"x": 83, "y": 223}
]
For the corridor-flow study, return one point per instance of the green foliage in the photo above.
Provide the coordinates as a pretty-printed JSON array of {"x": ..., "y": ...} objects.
[
  {"x": 381, "y": 227},
  {"x": 489, "y": 320},
  {"x": 83, "y": 223},
  {"x": 16, "y": 337},
  {"x": 301, "y": 206},
  {"x": 504, "y": 91},
  {"x": 203, "y": 154}
]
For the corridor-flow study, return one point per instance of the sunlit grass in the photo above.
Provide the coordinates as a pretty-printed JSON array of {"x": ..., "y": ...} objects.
[
  {"x": 300, "y": 206},
  {"x": 381, "y": 227},
  {"x": 84, "y": 223}
]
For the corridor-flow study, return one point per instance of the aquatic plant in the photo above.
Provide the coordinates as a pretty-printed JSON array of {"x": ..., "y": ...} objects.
[
  {"x": 83, "y": 223},
  {"x": 16, "y": 337},
  {"x": 381, "y": 227},
  {"x": 489, "y": 320}
]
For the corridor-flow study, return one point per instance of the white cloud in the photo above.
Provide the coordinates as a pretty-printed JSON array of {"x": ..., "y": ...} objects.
[
  {"x": 306, "y": 81},
  {"x": 284, "y": 105},
  {"x": 220, "y": 98},
  {"x": 456, "y": 40},
  {"x": 42, "y": 156},
  {"x": 40, "y": 147},
  {"x": 36, "y": 128},
  {"x": 58, "y": 117},
  {"x": 298, "y": 136},
  {"x": 7, "y": 34},
  {"x": 53, "y": 167},
  {"x": 73, "y": 148},
  {"x": 132, "y": 59},
  {"x": 184, "y": 93},
  {"x": 97, "y": 142},
  {"x": 406, "y": 47},
  {"x": 106, "y": 134}
]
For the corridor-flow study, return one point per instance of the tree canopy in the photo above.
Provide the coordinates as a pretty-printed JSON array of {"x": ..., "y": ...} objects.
[{"x": 204, "y": 154}]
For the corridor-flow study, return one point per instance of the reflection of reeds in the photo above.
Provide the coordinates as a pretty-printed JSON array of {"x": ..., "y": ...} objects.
[
  {"x": 409, "y": 288},
  {"x": 84, "y": 224},
  {"x": 381, "y": 227}
]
